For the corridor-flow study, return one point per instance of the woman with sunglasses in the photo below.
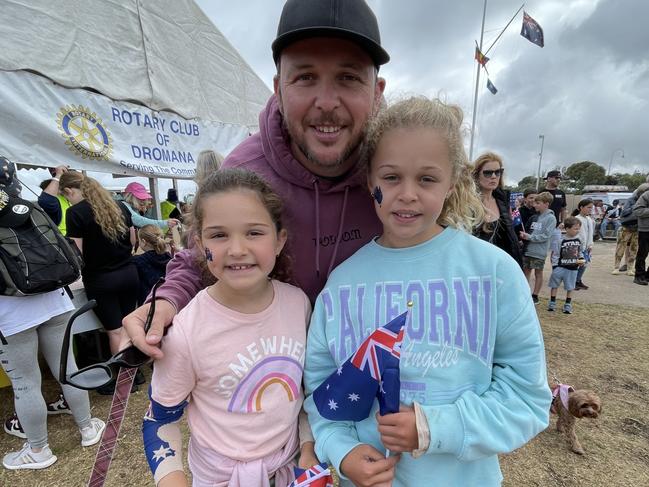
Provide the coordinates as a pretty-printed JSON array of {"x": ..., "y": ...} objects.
[{"x": 497, "y": 227}]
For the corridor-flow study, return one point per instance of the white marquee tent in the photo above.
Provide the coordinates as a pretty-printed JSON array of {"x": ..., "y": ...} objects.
[{"x": 128, "y": 87}]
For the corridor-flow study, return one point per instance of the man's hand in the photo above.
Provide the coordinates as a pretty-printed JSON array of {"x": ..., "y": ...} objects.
[
  {"x": 365, "y": 466},
  {"x": 399, "y": 430},
  {"x": 133, "y": 327},
  {"x": 307, "y": 458}
]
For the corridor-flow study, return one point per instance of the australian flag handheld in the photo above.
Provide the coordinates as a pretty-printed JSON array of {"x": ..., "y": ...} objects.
[
  {"x": 317, "y": 476},
  {"x": 372, "y": 372}
]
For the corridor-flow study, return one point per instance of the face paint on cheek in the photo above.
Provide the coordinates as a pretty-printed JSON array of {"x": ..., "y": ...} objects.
[
  {"x": 208, "y": 255},
  {"x": 377, "y": 194}
]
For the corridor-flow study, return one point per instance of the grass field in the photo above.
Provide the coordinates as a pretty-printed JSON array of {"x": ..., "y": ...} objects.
[{"x": 601, "y": 347}]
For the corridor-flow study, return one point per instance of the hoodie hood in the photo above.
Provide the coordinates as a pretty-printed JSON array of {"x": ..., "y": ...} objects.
[
  {"x": 327, "y": 220},
  {"x": 277, "y": 149}
]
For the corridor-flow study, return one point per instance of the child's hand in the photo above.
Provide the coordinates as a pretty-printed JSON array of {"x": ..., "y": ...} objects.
[
  {"x": 524, "y": 236},
  {"x": 399, "y": 430},
  {"x": 365, "y": 466},
  {"x": 307, "y": 458}
]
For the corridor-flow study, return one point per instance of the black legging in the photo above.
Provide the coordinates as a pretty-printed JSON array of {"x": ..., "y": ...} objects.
[{"x": 115, "y": 293}]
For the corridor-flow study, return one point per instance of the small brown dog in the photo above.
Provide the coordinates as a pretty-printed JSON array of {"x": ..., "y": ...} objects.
[{"x": 571, "y": 404}]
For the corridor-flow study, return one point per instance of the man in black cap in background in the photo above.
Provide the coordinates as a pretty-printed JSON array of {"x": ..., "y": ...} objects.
[{"x": 558, "y": 206}]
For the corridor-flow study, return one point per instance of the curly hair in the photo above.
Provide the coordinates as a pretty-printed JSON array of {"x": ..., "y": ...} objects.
[
  {"x": 463, "y": 208},
  {"x": 481, "y": 161},
  {"x": 226, "y": 180},
  {"x": 105, "y": 209}
]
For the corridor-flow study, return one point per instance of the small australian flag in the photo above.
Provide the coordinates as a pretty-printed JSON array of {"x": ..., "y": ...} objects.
[{"x": 372, "y": 372}]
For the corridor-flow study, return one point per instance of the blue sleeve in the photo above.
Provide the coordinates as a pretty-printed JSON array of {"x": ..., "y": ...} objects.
[
  {"x": 162, "y": 438},
  {"x": 333, "y": 439},
  {"x": 51, "y": 206},
  {"x": 516, "y": 405},
  {"x": 139, "y": 221}
]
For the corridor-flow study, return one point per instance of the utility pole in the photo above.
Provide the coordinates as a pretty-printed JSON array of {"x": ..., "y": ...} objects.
[
  {"x": 538, "y": 172},
  {"x": 477, "y": 85},
  {"x": 611, "y": 161}
]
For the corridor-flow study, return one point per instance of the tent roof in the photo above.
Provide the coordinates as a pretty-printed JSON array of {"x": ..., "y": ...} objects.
[{"x": 164, "y": 54}]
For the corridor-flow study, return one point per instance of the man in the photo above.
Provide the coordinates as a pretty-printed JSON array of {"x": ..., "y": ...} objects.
[
  {"x": 327, "y": 87},
  {"x": 641, "y": 211},
  {"x": 327, "y": 55},
  {"x": 558, "y": 206}
]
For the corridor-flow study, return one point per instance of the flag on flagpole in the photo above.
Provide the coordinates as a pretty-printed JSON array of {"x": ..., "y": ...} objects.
[
  {"x": 371, "y": 372},
  {"x": 481, "y": 58},
  {"x": 491, "y": 87},
  {"x": 317, "y": 476},
  {"x": 531, "y": 30},
  {"x": 516, "y": 218}
]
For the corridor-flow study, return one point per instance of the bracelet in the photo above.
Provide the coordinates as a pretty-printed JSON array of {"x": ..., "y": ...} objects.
[{"x": 55, "y": 179}]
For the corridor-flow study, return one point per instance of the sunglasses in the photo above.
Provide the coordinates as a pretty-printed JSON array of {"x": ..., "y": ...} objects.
[
  {"x": 487, "y": 173},
  {"x": 97, "y": 375}
]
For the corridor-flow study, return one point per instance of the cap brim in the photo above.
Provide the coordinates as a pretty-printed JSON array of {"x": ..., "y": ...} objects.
[{"x": 375, "y": 51}]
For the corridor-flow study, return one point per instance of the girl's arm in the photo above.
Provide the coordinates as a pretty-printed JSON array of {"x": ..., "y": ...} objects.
[
  {"x": 139, "y": 220},
  {"x": 515, "y": 407},
  {"x": 172, "y": 383}
]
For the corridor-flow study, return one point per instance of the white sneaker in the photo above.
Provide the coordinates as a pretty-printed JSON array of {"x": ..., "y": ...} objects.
[
  {"x": 92, "y": 434},
  {"x": 27, "y": 459},
  {"x": 615, "y": 271},
  {"x": 630, "y": 272}
]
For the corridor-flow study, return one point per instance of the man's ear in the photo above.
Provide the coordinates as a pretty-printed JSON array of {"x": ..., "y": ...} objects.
[
  {"x": 379, "y": 99},
  {"x": 278, "y": 93}
]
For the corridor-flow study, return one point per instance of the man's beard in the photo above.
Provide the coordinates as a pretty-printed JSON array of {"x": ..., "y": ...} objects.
[{"x": 353, "y": 146}]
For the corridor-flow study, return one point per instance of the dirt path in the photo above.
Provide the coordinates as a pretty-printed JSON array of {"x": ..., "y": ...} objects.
[{"x": 605, "y": 288}]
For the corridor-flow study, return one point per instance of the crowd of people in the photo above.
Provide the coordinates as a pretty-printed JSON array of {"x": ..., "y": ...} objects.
[{"x": 314, "y": 231}]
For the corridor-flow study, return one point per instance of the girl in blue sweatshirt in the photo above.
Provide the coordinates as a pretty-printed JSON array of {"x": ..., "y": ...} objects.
[{"x": 473, "y": 373}]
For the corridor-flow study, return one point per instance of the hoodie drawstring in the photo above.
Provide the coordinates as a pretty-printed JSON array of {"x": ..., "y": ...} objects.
[
  {"x": 340, "y": 231},
  {"x": 317, "y": 228}
]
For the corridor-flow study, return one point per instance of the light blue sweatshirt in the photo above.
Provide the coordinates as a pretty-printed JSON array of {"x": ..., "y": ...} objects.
[
  {"x": 472, "y": 357},
  {"x": 139, "y": 221}
]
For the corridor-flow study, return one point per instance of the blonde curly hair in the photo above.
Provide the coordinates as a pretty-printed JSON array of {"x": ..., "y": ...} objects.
[
  {"x": 463, "y": 208},
  {"x": 107, "y": 212}
]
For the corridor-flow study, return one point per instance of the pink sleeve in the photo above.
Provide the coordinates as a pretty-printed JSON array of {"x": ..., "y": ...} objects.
[
  {"x": 174, "y": 376},
  {"x": 183, "y": 280}
]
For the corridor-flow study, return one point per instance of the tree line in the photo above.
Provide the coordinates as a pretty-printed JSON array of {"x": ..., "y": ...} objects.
[{"x": 584, "y": 173}]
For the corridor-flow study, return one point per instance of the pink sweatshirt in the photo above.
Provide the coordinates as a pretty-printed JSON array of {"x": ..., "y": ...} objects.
[{"x": 337, "y": 215}]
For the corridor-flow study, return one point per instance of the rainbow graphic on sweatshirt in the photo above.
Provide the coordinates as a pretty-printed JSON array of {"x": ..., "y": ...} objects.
[{"x": 270, "y": 373}]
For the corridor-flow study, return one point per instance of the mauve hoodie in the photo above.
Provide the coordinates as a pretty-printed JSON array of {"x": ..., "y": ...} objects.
[{"x": 327, "y": 221}]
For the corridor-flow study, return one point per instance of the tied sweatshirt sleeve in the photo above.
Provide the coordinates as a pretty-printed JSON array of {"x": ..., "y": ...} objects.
[{"x": 334, "y": 439}]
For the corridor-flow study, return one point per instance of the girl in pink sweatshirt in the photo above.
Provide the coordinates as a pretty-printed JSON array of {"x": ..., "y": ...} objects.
[{"x": 235, "y": 356}]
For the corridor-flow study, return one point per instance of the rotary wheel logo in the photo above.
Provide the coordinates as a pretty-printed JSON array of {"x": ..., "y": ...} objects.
[{"x": 84, "y": 132}]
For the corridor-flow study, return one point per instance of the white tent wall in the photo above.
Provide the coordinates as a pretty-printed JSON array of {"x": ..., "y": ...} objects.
[
  {"x": 75, "y": 75},
  {"x": 164, "y": 54}
]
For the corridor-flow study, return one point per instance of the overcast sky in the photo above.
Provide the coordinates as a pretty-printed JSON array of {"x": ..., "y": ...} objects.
[{"x": 586, "y": 91}]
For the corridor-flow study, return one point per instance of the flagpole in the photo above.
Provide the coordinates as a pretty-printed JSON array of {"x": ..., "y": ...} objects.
[
  {"x": 503, "y": 31},
  {"x": 477, "y": 84}
]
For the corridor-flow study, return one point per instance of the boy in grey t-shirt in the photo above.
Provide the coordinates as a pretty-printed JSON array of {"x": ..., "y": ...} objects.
[{"x": 538, "y": 241}]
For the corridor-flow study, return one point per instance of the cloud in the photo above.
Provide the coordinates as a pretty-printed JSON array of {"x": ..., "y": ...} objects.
[{"x": 586, "y": 91}]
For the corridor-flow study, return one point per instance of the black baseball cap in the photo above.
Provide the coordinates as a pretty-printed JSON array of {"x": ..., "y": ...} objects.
[
  {"x": 13, "y": 211},
  {"x": 553, "y": 174},
  {"x": 349, "y": 19}
]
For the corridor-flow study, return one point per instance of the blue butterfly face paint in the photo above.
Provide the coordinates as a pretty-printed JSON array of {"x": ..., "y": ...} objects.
[
  {"x": 377, "y": 194},
  {"x": 208, "y": 255}
]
